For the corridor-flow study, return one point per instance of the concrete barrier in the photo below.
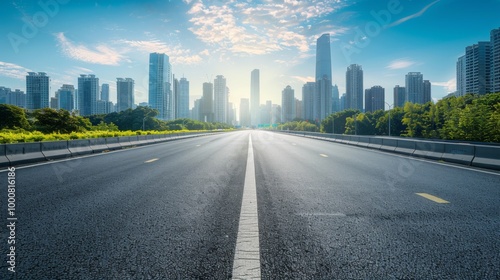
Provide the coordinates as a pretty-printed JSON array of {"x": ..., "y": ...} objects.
[
  {"x": 406, "y": 147},
  {"x": 353, "y": 140},
  {"x": 79, "y": 147},
  {"x": 389, "y": 145},
  {"x": 55, "y": 149},
  {"x": 375, "y": 143},
  {"x": 124, "y": 141},
  {"x": 458, "y": 153},
  {"x": 134, "y": 140},
  {"x": 487, "y": 157},
  {"x": 429, "y": 150},
  {"x": 4, "y": 161},
  {"x": 98, "y": 145},
  {"x": 143, "y": 139},
  {"x": 22, "y": 153},
  {"x": 113, "y": 143},
  {"x": 363, "y": 141}
]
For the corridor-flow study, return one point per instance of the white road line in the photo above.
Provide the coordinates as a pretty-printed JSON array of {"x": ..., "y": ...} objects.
[
  {"x": 151, "y": 160},
  {"x": 246, "y": 263}
]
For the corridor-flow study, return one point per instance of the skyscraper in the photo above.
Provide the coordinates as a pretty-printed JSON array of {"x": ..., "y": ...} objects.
[
  {"x": 124, "y": 93},
  {"x": 220, "y": 99},
  {"x": 88, "y": 90},
  {"x": 399, "y": 96},
  {"x": 182, "y": 99},
  {"x": 478, "y": 67},
  {"x": 66, "y": 96},
  {"x": 461, "y": 77},
  {"x": 427, "y": 92},
  {"x": 255, "y": 97},
  {"x": 495, "y": 60},
  {"x": 322, "y": 106},
  {"x": 414, "y": 87},
  {"x": 207, "y": 106},
  {"x": 245, "y": 112},
  {"x": 287, "y": 104},
  {"x": 374, "y": 99},
  {"x": 37, "y": 90},
  {"x": 308, "y": 90},
  {"x": 160, "y": 93},
  {"x": 335, "y": 99},
  {"x": 105, "y": 92},
  {"x": 354, "y": 87}
]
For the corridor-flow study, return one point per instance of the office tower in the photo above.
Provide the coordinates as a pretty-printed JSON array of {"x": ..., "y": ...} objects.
[
  {"x": 66, "y": 97},
  {"x": 16, "y": 98},
  {"x": 287, "y": 104},
  {"x": 427, "y": 92},
  {"x": 298, "y": 109},
  {"x": 322, "y": 106},
  {"x": 3, "y": 95},
  {"x": 220, "y": 99},
  {"x": 160, "y": 93},
  {"x": 255, "y": 97},
  {"x": 175, "y": 93},
  {"x": 342, "y": 106},
  {"x": 245, "y": 112},
  {"x": 195, "y": 112},
  {"x": 399, "y": 96},
  {"x": 53, "y": 103},
  {"x": 207, "y": 108},
  {"x": 265, "y": 113},
  {"x": 124, "y": 94},
  {"x": 374, "y": 99},
  {"x": 88, "y": 89},
  {"x": 231, "y": 113},
  {"x": 37, "y": 90},
  {"x": 478, "y": 69},
  {"x": 308, "y": 90},
  {"x": 335, "y": 99},
  {"x": 414, "y": 87},
  {"x": 181, "y": 92},
  {"x": 495, "y": 61},
  {"x": 354, "y": 87},
  {"x": 461, "y": 76},
  {"x": 276, "y": 114},
  {"x": 105, "y": 92}
]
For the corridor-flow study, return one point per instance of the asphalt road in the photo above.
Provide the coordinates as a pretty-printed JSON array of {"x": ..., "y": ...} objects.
[{"x": 325, "y": 211}]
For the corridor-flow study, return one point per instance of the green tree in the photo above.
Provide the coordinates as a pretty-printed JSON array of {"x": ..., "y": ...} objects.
[
  {"x": 13, "y": 117},
  {"x": 49, "y": 120}
]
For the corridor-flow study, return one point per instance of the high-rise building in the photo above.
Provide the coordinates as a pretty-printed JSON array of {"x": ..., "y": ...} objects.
[
  {"x": 399, "y": 96},
  {"x": 220, "y": 99},
  {"x": 160, "y": 93},
  {"x": 495, "y": 60},
  {"x": 374, "y": 99},
  {"x": 461, "y": 76},
  {"x": 181, "y": 93},
  {"x": 207, "y": 107},
  {"x": 54, "y": 103},
  {"x": 322, "y": 106},
  {"x": 88, "y": 90},
  {"x": 354, "y": 87},
  {"x": 287, "y": 104},
  {"x": 245, "y": 112},
  {"x": 265, "y": 113},
  {"x": 415, "y": 87},
  {"x": 255, "y": 97},
  {"x": 335, "y": 99},
  {"x": 16, "y": 97},
  {"x": 105, "y": 92},
  {"x": 37, "y": 90},
  {"x": 66, "y": 97},
  {"x": 124, "y": 93},
  {"x": 477, "y": 68},
  {"x": 195, "y": 112},
  {"x": 298, "y": 109},
  {"x": 231, "y": 114},
  {"x": 427, "y": 92},
  {"x": 175, "y": 93},
  {"x": 308, "y": 100},
  {"x": 342, "y": 102}
]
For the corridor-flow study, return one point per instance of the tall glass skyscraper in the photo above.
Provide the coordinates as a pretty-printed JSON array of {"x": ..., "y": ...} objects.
[
  {"x": 220, "y": 99},
  {"x": 88, "y": 90},
  {"x": 354, "y": 87},
  {"x": 37, "y": 90},
  {"x": 181, "y": 98},
  {"x": 255, "y": 97},
  {"x": 124, "y": 94},
  {"x": 322, "y": 106},
  {"x": 160, "y": 93}
]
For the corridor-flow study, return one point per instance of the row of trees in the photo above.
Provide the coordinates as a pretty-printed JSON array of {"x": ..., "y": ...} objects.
[
  {"x": 470, "y": 118},
  {"x": 61, "y": 121}
]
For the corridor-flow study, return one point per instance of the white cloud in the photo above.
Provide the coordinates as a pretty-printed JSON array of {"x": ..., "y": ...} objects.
[
  {"x": 400, "y": 64},
  {"x": 304, "y": 79},
  {"x": 450, "y": 85},
  {"x": 12, "y": 70},
  {"x": 415, "y": 15},
  {"x": 102, "y": 54}
]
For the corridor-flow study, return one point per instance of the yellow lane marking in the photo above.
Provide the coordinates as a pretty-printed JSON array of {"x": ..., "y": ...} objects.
[
  {"x": 323, "y": 155},
  {"x": 151, "y": 160},
  {"x": 433, "y": 198}
]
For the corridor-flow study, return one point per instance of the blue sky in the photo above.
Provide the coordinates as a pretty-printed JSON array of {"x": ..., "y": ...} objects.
[{"x": 207, "y": 38}]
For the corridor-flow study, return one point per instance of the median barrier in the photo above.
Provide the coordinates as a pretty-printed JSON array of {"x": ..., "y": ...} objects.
[
  {"x": 487, "y": 157},
  {"x": 406, "y": 147},
  {"x": 98, "y": 145},
  {"x": 429, "y": 150},
  {"x": 389, "y": 145},
  {"x": 22, "y": 153},
  {"x": 344, "y": 139},
  {"x": 458, "y": 153},
  {"x": 142, "y": 139},
  {"x": 134, "y": 140},
  {"x": 353, "y": 140},
  {"x": 113, "y": 143},
  {"x": 124, "y": 141},
  {"x": 375, "y": 143},
  {"x": 55, "y": 149},
  {"x": 79, "y": 147},
  {"x": 363, "y": 141},
  {"x": 3, "y": 159}
]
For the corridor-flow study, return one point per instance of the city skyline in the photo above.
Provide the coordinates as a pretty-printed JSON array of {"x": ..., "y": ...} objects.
[{"x": 281, "y": 42}]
